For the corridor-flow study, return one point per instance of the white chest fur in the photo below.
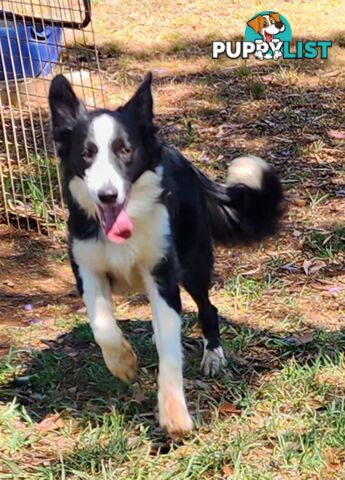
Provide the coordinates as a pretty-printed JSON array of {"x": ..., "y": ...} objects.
[{"x": 143, "y": 249}]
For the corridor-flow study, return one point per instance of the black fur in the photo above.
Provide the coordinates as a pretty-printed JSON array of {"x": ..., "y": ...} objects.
[
  {"x": 242, "y": 215},
  {"x": 201, "y": 211},
  {"x": 166, "y": 276},
  {"x": 75, "y": 270}
]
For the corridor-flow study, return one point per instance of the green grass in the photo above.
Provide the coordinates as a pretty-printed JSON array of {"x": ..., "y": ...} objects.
[
  {"x": 244, "y": 290},
  {"x": 243, "y": 71},
  {"x": 35, "y": 189},
  {"x": 257, "y": 90},
  {"x": 326, "y": 245},
  {"x": 291, "y": 410}
]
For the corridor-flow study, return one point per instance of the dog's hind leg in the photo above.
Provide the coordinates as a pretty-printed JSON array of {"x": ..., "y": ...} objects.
[
  {"x": 196, "y": 280},
  {"x": 117, "y": 352},
  {"x": 163, "y": 292}
]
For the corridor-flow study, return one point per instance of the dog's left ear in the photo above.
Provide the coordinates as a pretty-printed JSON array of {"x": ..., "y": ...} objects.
[{"x": 141, "y": 104}]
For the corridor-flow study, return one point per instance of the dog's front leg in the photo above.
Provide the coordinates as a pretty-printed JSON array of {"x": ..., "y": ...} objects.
[
  {"x": 117, "y": 352},
  {"x": 165, "y": 301}
]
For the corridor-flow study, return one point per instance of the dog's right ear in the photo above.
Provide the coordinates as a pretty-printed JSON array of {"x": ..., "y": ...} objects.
[
  {"x": 256, "y": 24},
  {"x": 66, "y": 109}
]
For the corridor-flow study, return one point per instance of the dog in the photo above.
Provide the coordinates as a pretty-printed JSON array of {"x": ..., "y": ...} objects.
[
  {"x": 142, "y": 217},
  {"x": 267, "y": 26}
]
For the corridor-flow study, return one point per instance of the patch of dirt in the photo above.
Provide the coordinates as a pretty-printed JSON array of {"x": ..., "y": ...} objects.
[{"x": 33, "y": 282}]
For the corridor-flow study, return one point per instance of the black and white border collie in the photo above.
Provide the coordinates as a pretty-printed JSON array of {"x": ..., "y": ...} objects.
[{"x": 143, "y": 217}]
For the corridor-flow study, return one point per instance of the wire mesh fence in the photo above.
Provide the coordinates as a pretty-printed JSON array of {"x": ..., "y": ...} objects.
[{"x": 39, "y": 38}]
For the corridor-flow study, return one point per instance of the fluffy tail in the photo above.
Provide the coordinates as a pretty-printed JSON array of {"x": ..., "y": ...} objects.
[{"x": 248, "y": 207}]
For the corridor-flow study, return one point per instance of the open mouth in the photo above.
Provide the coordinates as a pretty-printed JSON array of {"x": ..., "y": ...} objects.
[
  {"x": 268, "y": 37},
  {"x": 117, "y": 225}
]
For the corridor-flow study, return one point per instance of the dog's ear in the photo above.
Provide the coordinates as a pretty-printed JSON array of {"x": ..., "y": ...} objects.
[
  {"x": 141, "y": 104},
  {"x": 66, "y": 109},
  {"x": 256, "y": 23},
  {"x": 275, "y": 16}
]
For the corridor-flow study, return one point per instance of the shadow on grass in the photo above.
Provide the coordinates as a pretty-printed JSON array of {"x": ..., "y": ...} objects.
[
  {"x": 71, "y": 375},
  {"x": 289, "y": 125}
]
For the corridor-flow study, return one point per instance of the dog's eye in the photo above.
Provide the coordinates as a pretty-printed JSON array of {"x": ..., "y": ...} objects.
[
  {"x": 265, "y": 23},
  {"x": 124, "y": 153},
  {"x": 90, "y": 151},
  {"x": 121, "y": 151}
]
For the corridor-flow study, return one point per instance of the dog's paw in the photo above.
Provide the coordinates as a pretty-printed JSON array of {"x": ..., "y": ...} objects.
[
  {"x": 213, "y": 361},
  {"x": 121, "y": 361},
  {"x": 259, "y": 55},
  {"x": 173, "y": 412}
]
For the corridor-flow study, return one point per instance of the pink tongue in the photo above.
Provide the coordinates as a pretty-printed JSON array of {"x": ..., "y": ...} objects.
[
  {"x": 268, "y": 37},
  {"x": 119, "y": 230}
]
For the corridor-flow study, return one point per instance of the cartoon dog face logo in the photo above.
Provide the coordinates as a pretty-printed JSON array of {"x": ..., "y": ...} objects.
[{"x": 267, "y": 25}]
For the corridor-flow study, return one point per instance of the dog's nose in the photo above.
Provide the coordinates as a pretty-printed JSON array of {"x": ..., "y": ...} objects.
[
  {"x": 108, "y": 195},
  {"x": 279, "y": 24}
]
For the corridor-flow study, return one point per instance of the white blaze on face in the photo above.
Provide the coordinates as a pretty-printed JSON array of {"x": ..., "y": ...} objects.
[
  {"x": 271, "y": 28},
  {"x": 267, "y": 18},
  {"x": 103, "y": 174}
]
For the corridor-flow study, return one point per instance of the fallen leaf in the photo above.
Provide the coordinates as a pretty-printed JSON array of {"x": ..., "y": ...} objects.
[
  {"x": 333, "y": 73},
  {"x": 306, "y": 265},
  {"x": 184, "y": 450},
  {"x": 339, "y": 134},
  {"x": 304, "y": 339},
  {"x": 139, "y": 397},
  {"x": 227, "y": 470},
  {"x": 316, "y": 267},
  {"x": 252, "y": 271},
  {"x": 34, "y": 320},
  {"x": 290, "y": 268},
  {"x": 228, "y": 408},
  {"x": 267, "y": 78},
  {"x": 70, "y": 352},
  {"x": 4, "y": 348},
  {"x": 335, "y": 289},
  {"x": 50, "y": 422},
  {"x": 300, "y": 202}
]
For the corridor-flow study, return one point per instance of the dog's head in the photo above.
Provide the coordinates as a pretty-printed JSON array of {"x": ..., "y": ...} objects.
[
  {"x": 267, "y": 25},
  {"x": 103, "y": 152}
]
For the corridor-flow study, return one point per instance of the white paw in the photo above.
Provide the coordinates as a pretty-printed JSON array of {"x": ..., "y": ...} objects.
[
  {"x": 212, "y": 361},
  {"x": 259, "y": 55},
  {"x": 121, "y": 361},
  {"x": 173, "y": 412}
]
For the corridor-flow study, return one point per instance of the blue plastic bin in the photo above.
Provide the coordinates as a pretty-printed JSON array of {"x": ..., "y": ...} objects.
[{"x": 28, "y": 51}]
